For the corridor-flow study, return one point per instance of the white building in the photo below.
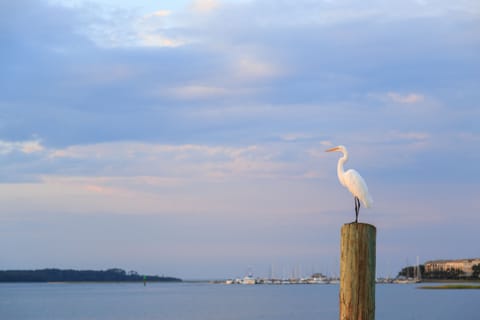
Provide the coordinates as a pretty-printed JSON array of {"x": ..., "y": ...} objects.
[{"x": 464, "y": 265}]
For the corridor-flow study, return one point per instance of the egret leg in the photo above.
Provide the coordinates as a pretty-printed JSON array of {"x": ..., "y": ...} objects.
[
  {"x": 355, "y": 201},
  {"x": 357, "y": 209}
]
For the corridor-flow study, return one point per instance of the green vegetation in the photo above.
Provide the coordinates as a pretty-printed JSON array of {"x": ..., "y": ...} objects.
[
  {"x": 476, "y": 271},
  {"x": 57, "y": 275},
  {"x": 451, "y": 286},
  {"x": 446, "y": 274},
  {"x": 409, "y": 271}
]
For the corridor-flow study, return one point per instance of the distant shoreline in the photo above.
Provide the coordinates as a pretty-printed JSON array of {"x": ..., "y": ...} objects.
[
  {"x": 70, "y": 276},
  {"x": 450, "y": 280},
  {"x": 451, "y": 287}
]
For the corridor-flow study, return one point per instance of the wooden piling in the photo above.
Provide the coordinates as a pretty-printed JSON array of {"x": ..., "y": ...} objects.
[{"x": 357, "y": 272}]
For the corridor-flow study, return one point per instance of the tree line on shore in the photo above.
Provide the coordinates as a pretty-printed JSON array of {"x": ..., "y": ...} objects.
[{"x": 57, "y": 275}]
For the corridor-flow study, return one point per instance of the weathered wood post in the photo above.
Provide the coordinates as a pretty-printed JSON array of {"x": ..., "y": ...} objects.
[{"x": 357, "y": 271}]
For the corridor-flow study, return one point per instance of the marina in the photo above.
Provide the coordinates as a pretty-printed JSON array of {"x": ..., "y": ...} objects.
[{"x": 316, "y": 278}]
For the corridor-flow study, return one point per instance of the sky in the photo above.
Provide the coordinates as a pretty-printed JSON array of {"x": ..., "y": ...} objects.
[{"x": 187, "y": 138}]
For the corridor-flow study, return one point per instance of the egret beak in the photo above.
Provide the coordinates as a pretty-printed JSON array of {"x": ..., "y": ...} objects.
[{"x": 332, "y": 149}]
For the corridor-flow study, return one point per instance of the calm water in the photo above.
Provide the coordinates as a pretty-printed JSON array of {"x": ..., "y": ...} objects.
[{"x": 121, "y": 301}]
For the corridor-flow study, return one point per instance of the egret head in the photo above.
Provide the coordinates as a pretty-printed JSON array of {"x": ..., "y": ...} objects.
[{"x": 340, "y": 148}]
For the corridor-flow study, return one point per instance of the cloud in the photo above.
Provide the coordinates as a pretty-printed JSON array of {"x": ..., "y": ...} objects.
[
  {"x": 131, "y": 149},
  {"x": 248, "y": 83},
  {"x": 98, "y": 189},
  {"x": 26, "y": 147},
  {"x": 204, "y": 6},
  {"x": 399, "y": 98},
  {"x": 152, "y": 31},
  {"x": 468, "y": 137},
  {"x": 132, "y": 177},
  {"x": 412, "y": 136},
  {"x": 253, "y": 68},
  {"x": 223, "y": 61},
  {"x": 175, "y": 161},
  {"x": 406, "y": 98},
  {"x": 326, "y": 143},
  {"x": 156, "y": 40},
  {"x": 111, "y": 27},
  {"x": 197, "y": 92},
  {"x": 296, "y": 136},
  {"x": 160, "y": 13}
]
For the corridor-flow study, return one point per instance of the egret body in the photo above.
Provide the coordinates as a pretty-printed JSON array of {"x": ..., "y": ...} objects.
[{"x": 353, "y": 181}]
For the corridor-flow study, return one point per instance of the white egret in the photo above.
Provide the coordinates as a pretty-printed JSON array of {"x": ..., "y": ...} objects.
[{"x": 353, "y": 181}]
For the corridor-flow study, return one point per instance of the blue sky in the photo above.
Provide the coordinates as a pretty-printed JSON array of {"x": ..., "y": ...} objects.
[{"x": 187, "y": 137}]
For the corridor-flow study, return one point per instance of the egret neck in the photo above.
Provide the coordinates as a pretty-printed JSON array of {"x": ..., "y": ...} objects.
[{"x": 340, "y": 170}]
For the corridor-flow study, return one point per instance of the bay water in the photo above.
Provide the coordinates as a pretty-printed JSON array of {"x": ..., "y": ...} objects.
[{"x": 204, "y": 301}]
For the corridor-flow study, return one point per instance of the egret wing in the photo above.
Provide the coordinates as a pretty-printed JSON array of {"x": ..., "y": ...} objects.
[{"x": 357, "y": 186}]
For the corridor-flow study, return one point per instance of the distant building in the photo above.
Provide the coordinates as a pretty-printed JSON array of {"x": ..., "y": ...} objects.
[{"x": 464, "y": 265}]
